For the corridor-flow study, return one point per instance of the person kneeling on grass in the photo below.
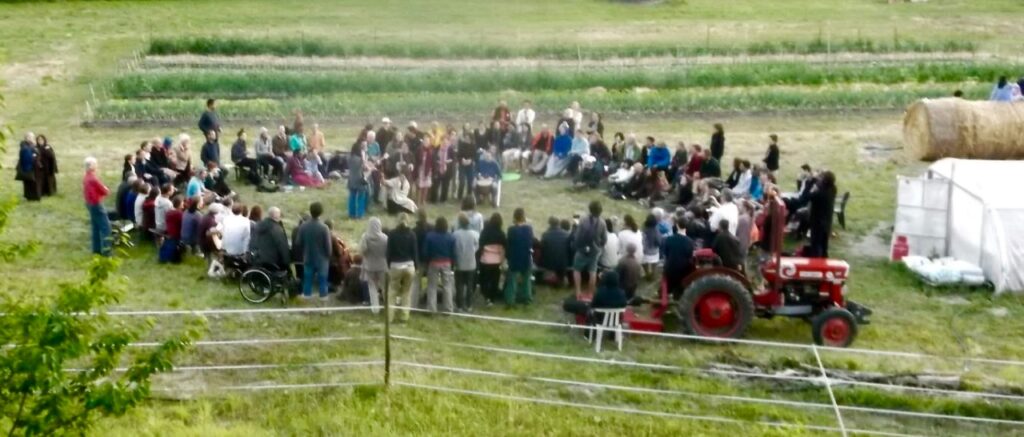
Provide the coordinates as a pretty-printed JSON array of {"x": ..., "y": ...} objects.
[
  {"x": 609, "y": 295},
  {"x": 488, "y": 180},
  {"x": 170, "y": 250}
]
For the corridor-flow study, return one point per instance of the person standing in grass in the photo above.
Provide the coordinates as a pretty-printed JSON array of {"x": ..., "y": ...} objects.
[
  {"x": 466, "y": 154},
  {"x": 467, "y": 242},
  {"x": 27, "y": 169},
  {"x": 519, "y": 284},
  {"x": 717, "y": 145},
  {"x": 94, "y": 192},
  {"x": 652, "y": 245},
  {"x": 588, "y": 241},
  {"x": 209, "y": 121},
  {"x": 374, "y": 248},
  {"x": 357, "y": 186},
  {"x": 403, "y": 254},
  {"x": 771, "y": 158},
  {"x": 48, "y": 167},
  {"x": 314, "y": 243},
  {"x": 493, "y": 245},
  {"x": 439, "y": 256}
]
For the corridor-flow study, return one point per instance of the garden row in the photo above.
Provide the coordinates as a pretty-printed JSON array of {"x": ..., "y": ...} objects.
[
  {"x": 306, "y": 47},
  {"x": 748, "y": 99},
  {"x": 262, "y": 84}
]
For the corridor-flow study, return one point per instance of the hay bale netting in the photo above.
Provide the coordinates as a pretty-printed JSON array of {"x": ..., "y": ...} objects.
[{"x": 957, "y": 128}]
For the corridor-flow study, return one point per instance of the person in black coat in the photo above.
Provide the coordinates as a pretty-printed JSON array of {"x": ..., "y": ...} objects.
[
  {"x": 209, "y": 121},
  {"x": 718, "y": 142},
  {"x": 678, "y": 251},
  {"x": 710, "y": 168},
  {"x": 771, "y": 159},
  {"x": 48, "y": 167},
  {"x": 727, "y": 247},
  {"x": 270, "y": 243},
  {"x": 822, "y": 199},
  {"x": 554, "y": 250},
  {"x": 314, "y": 241},
  {"x": 28, "y": 168}
]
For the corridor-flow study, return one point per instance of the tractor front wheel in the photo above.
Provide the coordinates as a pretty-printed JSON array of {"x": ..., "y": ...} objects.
[
  {"x": 835, "y": 327},
  {"x": 716, "y": 306}
]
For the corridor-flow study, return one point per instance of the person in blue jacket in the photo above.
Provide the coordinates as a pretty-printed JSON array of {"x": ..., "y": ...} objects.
[{"x": 659, "y": 158}]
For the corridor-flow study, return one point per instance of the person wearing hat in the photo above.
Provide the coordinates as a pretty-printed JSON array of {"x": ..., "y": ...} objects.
[{"x": 771, "y": 159}]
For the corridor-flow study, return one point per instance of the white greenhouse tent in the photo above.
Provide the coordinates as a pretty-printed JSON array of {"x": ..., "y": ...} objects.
[{"x": 971, "y": 210}]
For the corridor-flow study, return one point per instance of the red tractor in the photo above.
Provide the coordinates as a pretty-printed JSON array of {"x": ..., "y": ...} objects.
[{"x": 721, "y": 302}]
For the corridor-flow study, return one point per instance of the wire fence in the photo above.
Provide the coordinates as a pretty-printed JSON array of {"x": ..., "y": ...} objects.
[{"x": 406, "y": 369}]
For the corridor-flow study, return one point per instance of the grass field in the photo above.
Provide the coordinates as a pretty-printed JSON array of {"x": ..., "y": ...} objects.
[{"x": 89, "y": 47}]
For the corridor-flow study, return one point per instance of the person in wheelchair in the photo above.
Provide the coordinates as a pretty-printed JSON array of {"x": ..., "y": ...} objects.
[{"x": 269, "y": 245}]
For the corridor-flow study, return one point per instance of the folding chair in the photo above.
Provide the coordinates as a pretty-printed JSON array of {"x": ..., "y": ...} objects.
[{"x": 611, "y": 320}]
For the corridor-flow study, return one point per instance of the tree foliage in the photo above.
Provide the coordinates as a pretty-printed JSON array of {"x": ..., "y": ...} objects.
[{"x": 63, "y": 362}]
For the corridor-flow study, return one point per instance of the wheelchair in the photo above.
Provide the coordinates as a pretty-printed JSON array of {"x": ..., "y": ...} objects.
[{"x": 258, "y": 284}]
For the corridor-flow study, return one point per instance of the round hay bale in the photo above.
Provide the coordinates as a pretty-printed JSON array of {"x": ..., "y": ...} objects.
[
  {"x": 597, "y": 90},
  {"x": 957, "y": 128},
  {"x": 642, "y": 90}
]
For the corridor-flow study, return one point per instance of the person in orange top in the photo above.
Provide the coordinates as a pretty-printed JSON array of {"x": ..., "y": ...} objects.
[{"x": 94, "y": 192}]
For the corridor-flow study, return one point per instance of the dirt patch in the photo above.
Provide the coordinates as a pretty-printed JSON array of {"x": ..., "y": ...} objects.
[
  {"x": 377, "y": 63},
  {"x": 32, "y": 74},
  {"x": 875, "y": 152},
  {"x": 873, "y": 245}
]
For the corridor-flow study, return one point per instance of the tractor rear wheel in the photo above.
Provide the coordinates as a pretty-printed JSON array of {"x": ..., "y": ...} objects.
[
  {"x": 716, "y": 306},
  {"x": 835, "y": 327}
]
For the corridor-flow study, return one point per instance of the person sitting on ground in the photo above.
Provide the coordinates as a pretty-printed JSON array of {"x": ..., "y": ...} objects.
[
  {"x": 696, "y": 161},
  {"x": 558, "y": 162},
  {"x": 554, "y": 251},
  {"x": 590, "y": 173},
  {"x": 162, "y": 205},
  {"x": 397, "y": 187},
  {"x": 742, "y": 185},
  {"x": 727, "y": 246},
  {"x": 659, "y": 157},
  {"x": 488, "y": 180},
  {"x": 621, "y": 179},
  {"x": 197, "y": 187},
  {"x": 541, "y": 150},
  {"x": 630, "y": 271},
  {"x": 403, "y": 255},
  {"x": 312, "y": 164},
  {"x": 725, "y": 210},
  {"x": 710, "y": 168},
  {"x": 631, "y": 151},
  {"x": 373, "y": 246},
  {"x": 679, "y": 160},
  {"x": 439, "y": 256},
  {"x": 299, "y": 174},
  {"x": 216, "y": 181},
  {"x": 170, "y": 250},
  {"x": 580, "y": 148},
  {"x": 270, "y": 243},
  {"x": 735, "y": 174},
  {"x": 297, "y": 142},
  {"x": 279, "y": 144},
  {"x": 141, "y": 191},
  {"x": 209, "y": 234},
  {"x": 679, "y": 264},
  {"x": 599, "y": 150},
  {"x": 124, "y": 199},
  {"x": 190, "y": 223}
]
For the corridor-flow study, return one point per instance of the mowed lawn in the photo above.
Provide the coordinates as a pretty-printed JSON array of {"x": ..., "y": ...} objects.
[{"x": 47, "y": 77}]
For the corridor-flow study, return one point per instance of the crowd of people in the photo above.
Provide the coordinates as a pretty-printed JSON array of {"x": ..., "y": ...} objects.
[{"x": 185, "y": 209}]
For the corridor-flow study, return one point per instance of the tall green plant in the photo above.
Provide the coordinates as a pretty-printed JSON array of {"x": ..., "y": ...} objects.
[{"x": 60, "y": 356}]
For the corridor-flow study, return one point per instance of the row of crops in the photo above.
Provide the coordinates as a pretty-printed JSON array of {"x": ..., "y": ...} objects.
[{"x": 140, "y": 94}]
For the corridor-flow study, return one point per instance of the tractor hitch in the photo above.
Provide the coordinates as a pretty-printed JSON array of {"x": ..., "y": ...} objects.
[{"x": 860, "y": 312}]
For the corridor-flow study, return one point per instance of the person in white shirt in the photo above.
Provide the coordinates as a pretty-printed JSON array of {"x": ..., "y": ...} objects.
[
  {"x": 236, "y": 232},
  {"x": 742, "y": 187},
  {"x": 163, "y": 204},
  {"x": 725, "y": 210},
  {"x": 525, "y": 117},
  {"x": 630, "y": 235},
  {"x": 577, "y": 114},
  {"x": 610, "y": 255},
  {"x": 140, "y": 199}
]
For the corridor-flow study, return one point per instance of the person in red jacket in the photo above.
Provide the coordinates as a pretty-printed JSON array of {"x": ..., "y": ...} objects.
[{"x": 94, "y": 192}]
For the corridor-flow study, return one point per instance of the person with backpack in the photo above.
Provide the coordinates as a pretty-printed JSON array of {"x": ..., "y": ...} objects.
[{"x": 590, "y": 237}]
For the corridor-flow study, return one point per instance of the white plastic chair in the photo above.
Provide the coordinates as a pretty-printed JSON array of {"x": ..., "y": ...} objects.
[{"x": 611, "y": 320}]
